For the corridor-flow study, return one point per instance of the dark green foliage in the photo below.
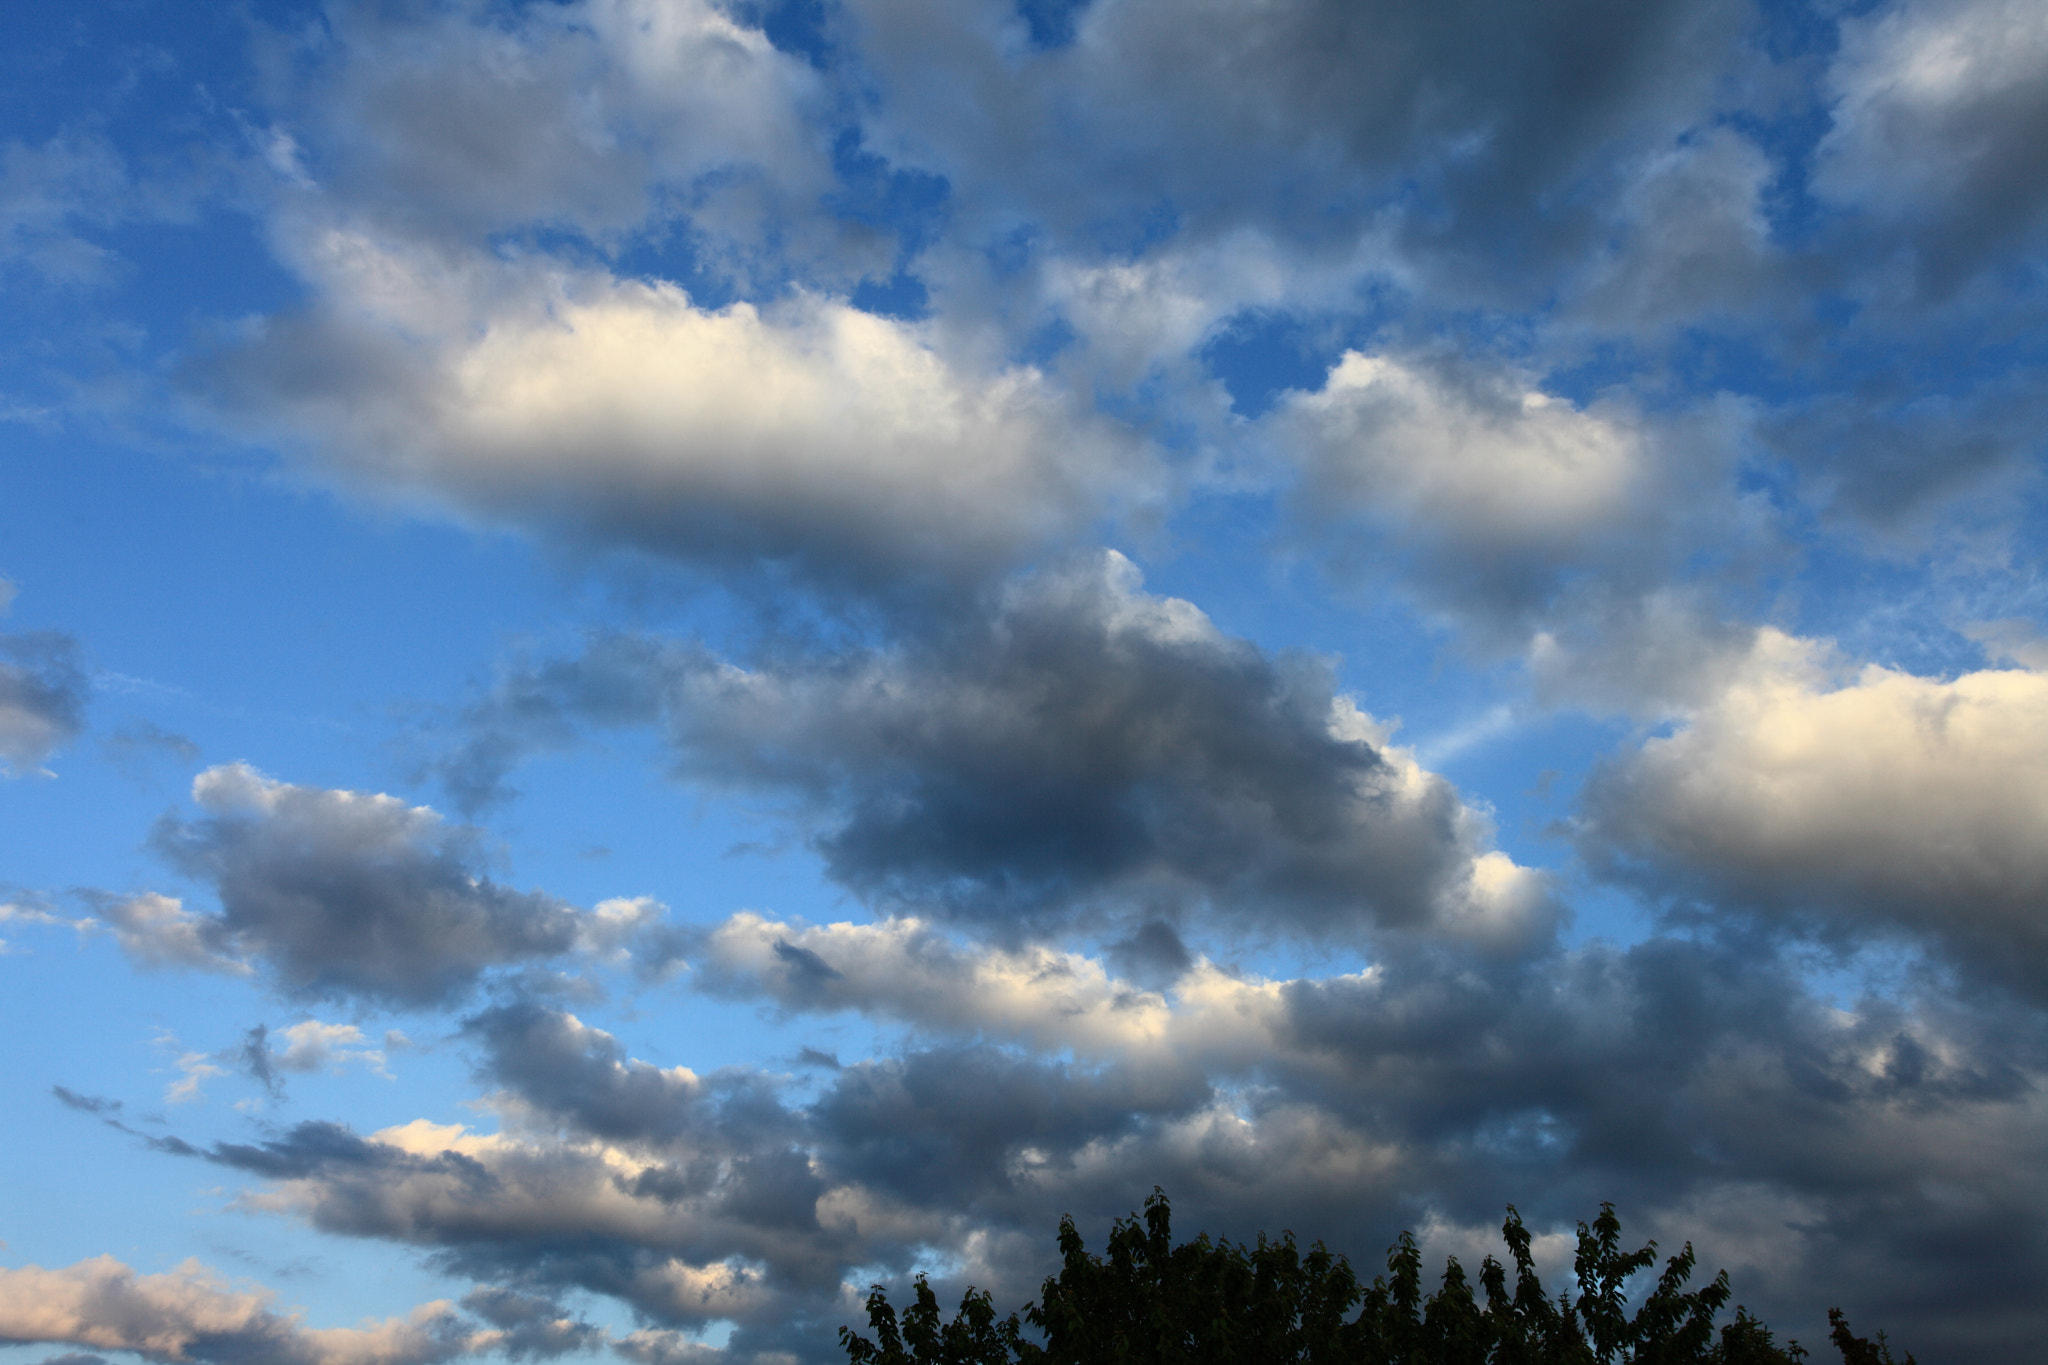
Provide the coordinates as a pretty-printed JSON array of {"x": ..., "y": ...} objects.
[
  {"x": 1856, "y": 1350},
  {"x": 1145, "y": 1301}
]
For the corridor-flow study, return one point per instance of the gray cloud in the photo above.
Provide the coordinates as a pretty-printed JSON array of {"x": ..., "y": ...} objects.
[
  {"x": 1805, "y": 1145},
  {"x": 1938, "y": 108},
  {"x": 347, "y": 894},
  {"x": 43, "y": 691},
  {"x": 574, "y": 1073},
  {"x": 157, "y": 931},
  {"x": 1468, "y": 113},
  {"x": 1902, "y": 457},
  {"x": 1084, "y": 747},
  {"x": 530, "y": 1327},
  {"x": 598, "y": 116}
]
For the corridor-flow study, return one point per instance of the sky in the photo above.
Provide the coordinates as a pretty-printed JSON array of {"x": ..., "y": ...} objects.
[{"x": 660, "y": 659}]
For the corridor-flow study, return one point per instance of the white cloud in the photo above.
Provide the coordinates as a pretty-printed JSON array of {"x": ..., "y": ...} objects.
[
  {"x": 1871, "y": 801},
  {"x": 807, "y": 431},
  {"x": 13, "y": 912},
  {"x": 1512, "y": 511},
  {"x": 1479, "y": 460},
  {"x": 311, "y": 1045},
  {"x": 158, "y": 931},
  {"x": 190, "y": 1315},
  {"x": 1047, "y": 999}
]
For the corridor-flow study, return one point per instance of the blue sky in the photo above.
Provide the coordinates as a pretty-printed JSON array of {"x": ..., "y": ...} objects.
[{"x": 660, "y": 658}]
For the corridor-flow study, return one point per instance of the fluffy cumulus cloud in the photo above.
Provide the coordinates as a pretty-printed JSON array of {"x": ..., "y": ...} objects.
[
  {"x": 1085, "y": 747},
  {"x": 339, "y": 894},
  {"x": 1502, "y": 496},
  {"x": 1872, "y": 805},
  {"x": 843, "y": 443},
  {"x": 188, "y": 1314}
]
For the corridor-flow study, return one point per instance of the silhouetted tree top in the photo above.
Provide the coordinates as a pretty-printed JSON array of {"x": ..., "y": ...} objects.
[{"x": 1145, "y": 1301}]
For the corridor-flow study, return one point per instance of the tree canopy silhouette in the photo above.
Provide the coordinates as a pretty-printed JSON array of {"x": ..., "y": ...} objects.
[{"x": 1145, "y": 1301}]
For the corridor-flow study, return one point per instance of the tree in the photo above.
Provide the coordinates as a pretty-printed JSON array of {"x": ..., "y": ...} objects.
[{"x": 1145, "y": 1301}]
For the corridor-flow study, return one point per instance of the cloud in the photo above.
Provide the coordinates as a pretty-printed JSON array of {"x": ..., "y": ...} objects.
[
  {"x": 1500, "y": 503},
  {"x": 189, "y": 1315},
  {"x": 90, "y": 1104},
  {"x": 528, "y": 1326},
  {"x": 47, "y": 193},
  {"x": 311, "y": 1045},
  {"x": 158, "y": 931},
  {"x": 134, "y": 744},
  {"x": 1903, "y": 455},
  {"x": 1305, "y": 116},
  {"x": 1083, "y": 748},
  {"x": 1938, "y": 107},
  {"x": 1861, "y": 804},
  {"x": 341, "y": 894},
  {"x": 686, "y": 1231},
  {"x": 29, "y": 909},
  {"x": 1047, "y": 1000},
  {"x": 570, "y": 1071},
  {"x": 308, "y": 1046},
  {"x": 1697, "y": 239},
  {"x": 845, "y": 446},
  {"x": 1673, "y": 1076},
  {"x": 43, "y": 691},
  {"x": 598, "y": 115}
]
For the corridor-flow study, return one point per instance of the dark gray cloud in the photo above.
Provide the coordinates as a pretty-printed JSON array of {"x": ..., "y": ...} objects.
[
  {"x": 1153, "y": 955},
  {"x": 254, "y": 1057},
  {"x": 342, "y": 894},
  {"x": 43, "y": 691},
  {"x": 1812, "y": 1147},
  {"x": 581, "y": 1075},
  {"x": 531, "y": 1327},
  {"x": 1938, "y": 109},
  {"x": 1083, "y": 747},
  {"x": 1470, "y": 120}
]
